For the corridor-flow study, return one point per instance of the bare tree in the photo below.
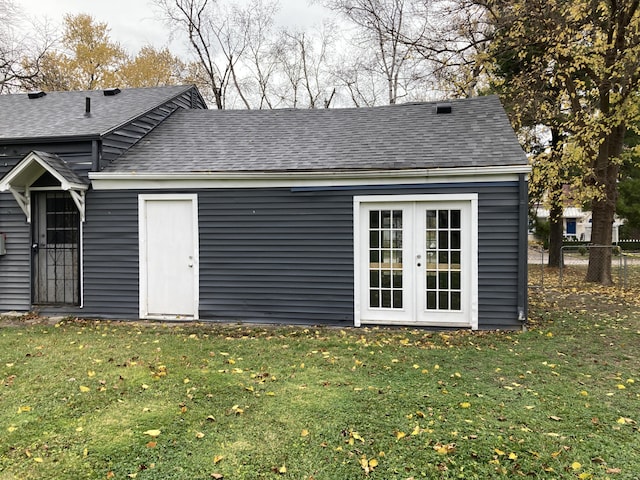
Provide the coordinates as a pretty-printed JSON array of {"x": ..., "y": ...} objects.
[
  {"x": 303, "y": 60},
  {"x": 22, "y": 47},
  {"x": 260, "y": 55},
  {"x": 197, "y": 18},
  {"x": 384, "y": 28}
]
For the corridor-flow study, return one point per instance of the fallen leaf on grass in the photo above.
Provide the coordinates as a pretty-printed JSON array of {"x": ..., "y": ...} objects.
[
  {"x": 368, "y": 465},
  {"x": 152, "y": 433},
  {"x": 84, "y": 389},
  {"x": 444, "y": 449},
  {"x": 217, "y": 459}
]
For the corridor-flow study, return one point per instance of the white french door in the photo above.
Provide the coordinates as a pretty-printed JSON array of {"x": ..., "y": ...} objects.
[{"x": 416, "y": 260}]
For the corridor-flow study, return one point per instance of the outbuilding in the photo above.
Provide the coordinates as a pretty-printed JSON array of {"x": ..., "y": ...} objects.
[{"x": 412, "y": 214}]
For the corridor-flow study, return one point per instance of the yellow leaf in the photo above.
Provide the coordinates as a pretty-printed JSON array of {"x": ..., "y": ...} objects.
[
  {"x": 621, "y": 421},
  {"x": 373, "y": 463},
  {"x": 416, "y": 431},
  {"x": 465, "y": 405},
  {"x": 38, "y": 459},
  {"x": 282, "y": 469},
  {"x": 91, "y": 373},
  {"x": 186, "y": 380},
  {"x": 400, "y": 435},
  {"x": 24, "y": 408},
  {"x": 304, "y": 433},
  {"x": 11, "y": 428},
  {"x": 84, "y": 389},
  {"x": 152, "y": 433},
  {"x": 576, "y": 465},
  {"x": 217, "y": 459},
  {"x": 584, "y": 476},
  {"x": 199, "y": 435},
  {"x": 621, "y": 386},
  {"x": 513, "y": 456},
  {"x": 498, "y": 451}
]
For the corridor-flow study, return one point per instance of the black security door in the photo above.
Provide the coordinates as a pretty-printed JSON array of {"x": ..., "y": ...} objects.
[{"x": 55, "y": 249}]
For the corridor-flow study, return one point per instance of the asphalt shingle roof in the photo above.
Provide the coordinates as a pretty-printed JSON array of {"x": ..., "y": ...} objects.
[
  {"x": 62, "y": 114},
  {"x": 406, "y": 136},
  {"x": 59, "y": 165}
]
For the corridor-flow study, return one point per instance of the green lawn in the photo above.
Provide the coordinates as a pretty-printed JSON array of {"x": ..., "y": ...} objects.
[{"x": 115, "y": 400}]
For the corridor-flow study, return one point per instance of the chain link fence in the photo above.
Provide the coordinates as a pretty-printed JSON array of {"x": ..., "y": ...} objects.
[{"x": 624, "y": 266}]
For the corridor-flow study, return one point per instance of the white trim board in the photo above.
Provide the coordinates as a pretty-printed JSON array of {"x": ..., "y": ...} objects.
[{"x": 196, "y": 180}]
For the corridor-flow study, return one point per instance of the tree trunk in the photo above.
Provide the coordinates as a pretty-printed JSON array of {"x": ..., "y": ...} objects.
[
  {"x": 599, "y": 270},
  {"x": 556, "y": 232},
  {"x": 604, "y": 207},
  {"x": 556, "y": 210}
]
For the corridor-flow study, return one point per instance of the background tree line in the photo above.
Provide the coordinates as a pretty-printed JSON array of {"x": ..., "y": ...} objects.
[{"x": 567, "y": 71}]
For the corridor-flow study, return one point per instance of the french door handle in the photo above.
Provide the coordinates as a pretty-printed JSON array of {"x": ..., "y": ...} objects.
[{"x": 35, "y": 247}]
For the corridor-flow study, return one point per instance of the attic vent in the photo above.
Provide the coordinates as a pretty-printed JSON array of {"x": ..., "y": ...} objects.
[
  {"x": 110, "y": 92},
  {"x": 443, "y": 108},
  {"x": 36, "y": 94}
]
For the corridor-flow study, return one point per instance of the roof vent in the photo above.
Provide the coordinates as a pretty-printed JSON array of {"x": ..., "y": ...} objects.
[
  {"x": 110, "y": 92},
  {"x": 443, "y": 108},
  {"x": 36, "y": 94}
]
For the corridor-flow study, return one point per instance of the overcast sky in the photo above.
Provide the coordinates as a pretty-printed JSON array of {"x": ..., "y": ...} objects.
[{"x": 133, "y": 23}]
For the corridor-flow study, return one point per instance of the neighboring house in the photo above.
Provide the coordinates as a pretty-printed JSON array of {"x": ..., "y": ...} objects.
[
  {"x": 410, "y": 214},
  {"x": 576, "y": 224}
]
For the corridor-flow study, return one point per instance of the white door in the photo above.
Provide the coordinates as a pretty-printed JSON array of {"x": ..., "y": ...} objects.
[
  {"x": 168, "y": 256},
  {"x": 416, "y": 261}
]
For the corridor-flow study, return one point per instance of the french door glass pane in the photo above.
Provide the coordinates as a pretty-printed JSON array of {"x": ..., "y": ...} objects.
[
  {"x": 443, "y": 267},
  {"x": 385, "y": 259}
]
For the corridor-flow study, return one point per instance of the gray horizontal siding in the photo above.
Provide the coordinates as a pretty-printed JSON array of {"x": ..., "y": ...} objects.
[
  {"x": 498, "y": 255},
  {"x": 273, "y": 255},
  {"x": 15, "y": 278},
  {"x": 76, "y": 154},
  {"x": 111, "y": 255}
]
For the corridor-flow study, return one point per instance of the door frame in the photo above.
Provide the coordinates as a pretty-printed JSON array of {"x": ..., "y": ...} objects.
[
  {"x": 35, "y": 225},
  {"x": 143, "y": 258},
  {"x": 390, "y": 200}
]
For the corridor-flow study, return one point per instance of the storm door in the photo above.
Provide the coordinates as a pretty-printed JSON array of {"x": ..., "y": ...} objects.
[
  {"x": 417, "y": 263},
  {"x": 55, "y": 249}
]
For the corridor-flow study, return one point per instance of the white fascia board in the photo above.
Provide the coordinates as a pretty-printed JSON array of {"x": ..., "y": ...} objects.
[{"x": 148, "y": 181}]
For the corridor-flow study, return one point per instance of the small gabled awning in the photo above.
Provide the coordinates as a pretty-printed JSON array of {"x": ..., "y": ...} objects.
[{"x": 20, "y": 179}]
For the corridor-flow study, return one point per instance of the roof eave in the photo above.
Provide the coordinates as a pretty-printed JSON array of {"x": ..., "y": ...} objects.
[
  {"x": 50, "y": 139},
  {"x": 194, "y": 180}
]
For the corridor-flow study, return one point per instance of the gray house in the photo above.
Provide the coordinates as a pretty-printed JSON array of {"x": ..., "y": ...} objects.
[{"x": 410, "y": 214}]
